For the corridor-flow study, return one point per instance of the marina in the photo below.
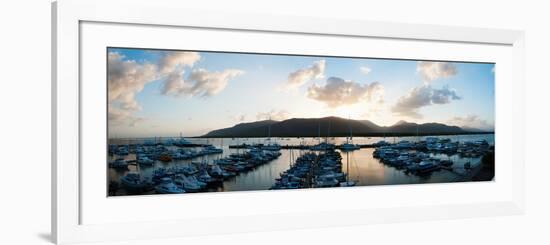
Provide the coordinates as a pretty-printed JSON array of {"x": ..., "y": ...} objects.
[
  {"x": 183, "y": 121},
  {"x": 178, "y": 165}
]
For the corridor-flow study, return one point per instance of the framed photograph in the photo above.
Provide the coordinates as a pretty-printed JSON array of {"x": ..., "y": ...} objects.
[{"x": 171, "y": 125}]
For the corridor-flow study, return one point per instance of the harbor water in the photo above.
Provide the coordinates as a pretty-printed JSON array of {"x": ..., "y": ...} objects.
[{"x": 359, "y": 165}]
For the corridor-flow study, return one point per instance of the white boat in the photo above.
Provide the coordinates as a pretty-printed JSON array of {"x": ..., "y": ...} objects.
[
  {"x": 132, "y": 182},
  {"x": 204, "y": 177},
  {"x": 216, "y": 171},
  {"x": 198, "y": 182},
  {"x": 323, "y": 146},
  {"x": 119, "y": 163},
  {"x": 349, "y": 147},
  {"x": 212, "y": 150},
  {"x": 427, "y": 166},
  {"x": 167, "y": 186},
  {"x": 186, "y": 183},
  {"x": 347, "y": 183},
  {"x": 123, "y": 150},
  {"x": 145, "y": 161},
  {"x": 182, "y": 142}
]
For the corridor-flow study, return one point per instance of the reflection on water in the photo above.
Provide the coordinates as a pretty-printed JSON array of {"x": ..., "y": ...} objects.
[{"x": 360, "y": 164}]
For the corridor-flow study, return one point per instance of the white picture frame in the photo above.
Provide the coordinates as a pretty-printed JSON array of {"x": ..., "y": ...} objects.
[{"x": 68, "y": 17}]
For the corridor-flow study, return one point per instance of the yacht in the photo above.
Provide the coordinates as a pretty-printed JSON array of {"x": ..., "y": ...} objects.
[
  {"x": 349, "y": 147},
  {"x": 132, "y": 182},
  {"x": 216, "y": 171},
  {"x": 272, "y": 147},
  {"x": 203, "y": 176},
  {"x": 323, "y": 146},
  {"x": 167, "y": 186},
  {"x": 165, "y": 158},
  {"x": 426, "y": 167},
  {"x": 145, "y": 161},
  {"x": 347, "y": 183},
  {"x": 210, "y": 149},
  {"x": 122, "y": 151},
  {"x": 326, "y": 182},
  {"x": 186, "y": 183},
  {"x": 198, "y": 182},
  {"x": 182, "y": 142},
  {"x": 119, "y": 163}
]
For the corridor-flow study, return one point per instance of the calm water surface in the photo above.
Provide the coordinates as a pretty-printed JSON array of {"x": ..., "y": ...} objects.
[{"x": 360, "y": 164}]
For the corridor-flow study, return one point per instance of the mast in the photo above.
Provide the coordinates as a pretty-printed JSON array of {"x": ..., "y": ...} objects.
[
  {"x": 319, "y": 131},
  {"x": 269, "y": 131},
  {"x": 350, "y": 130},
  {"x": 328, "y": 132}
]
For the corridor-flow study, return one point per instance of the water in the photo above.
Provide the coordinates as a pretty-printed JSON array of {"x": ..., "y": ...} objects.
[{"x": 360, "y": 164}]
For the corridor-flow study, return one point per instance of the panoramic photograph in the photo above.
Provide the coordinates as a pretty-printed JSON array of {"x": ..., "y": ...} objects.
[{"x": 184, "y": 121}]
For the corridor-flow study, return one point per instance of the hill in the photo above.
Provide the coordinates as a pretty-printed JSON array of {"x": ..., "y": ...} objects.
[{"x": 332, "y": 127}]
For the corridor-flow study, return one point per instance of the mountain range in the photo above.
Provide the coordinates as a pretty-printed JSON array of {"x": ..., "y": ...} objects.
[{"x": 334, "y": 127}]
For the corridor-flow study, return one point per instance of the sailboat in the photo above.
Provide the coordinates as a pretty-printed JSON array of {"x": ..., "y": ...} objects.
[
  {"x": 270, "y": 146},
  {"x": 323, "y": 146},
  {"x": 182, "y": 142},
  {"x": 349, "y": 146}
]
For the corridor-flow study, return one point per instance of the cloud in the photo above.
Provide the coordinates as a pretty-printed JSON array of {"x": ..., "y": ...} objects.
[
  {"x": 444, "y": 95},
  {"x": 471, "y": 121},
  {"x": 338, "y": 92},
  {"x": 126, "y": 78},
  {"x": 176, "y": 60},
  {"x": 365, "y": 70},
  {"x": 430, "y": 71},
  {"x": 302, "y": 76},
  {"x": 199, "y": 83},
  {"x": 422, "y": 96},
  {"x": 273, "y": 115},
  {"x": 118, "y": 116}
]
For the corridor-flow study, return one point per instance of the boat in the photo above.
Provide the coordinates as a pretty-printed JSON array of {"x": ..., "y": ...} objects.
[
  {"x": 182, "y": 142},
  {"x": 203, "y": 176},
  {"x": 272, "y": 147},
  {"x": 167, "y": 186},
  {"x": 145, "y": 161},
  {"x": 165, "y": 158},
  {"x": 123, "y": 150},
  {"x": 349, "y": 147},
  {"x": 218, "y": 172},
  {"x": 427, "y": 167},
  {"x": 210, "y": 149},
  {"x": 132, "y": 182},
  {"x": 347, "y": 184},
  {"x": 186, "y": 183},
  {"x": 446, "y": 163},
  {"x": 189, "y": 170},
  {"x": 323, "y": 146},
  {"x": 196, "y": 181},
  {"x": 119, "y": 163},
  {"x": 325, "y": 181}
]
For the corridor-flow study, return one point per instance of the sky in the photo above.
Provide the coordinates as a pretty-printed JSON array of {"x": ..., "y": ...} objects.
[{"x": 167, "y": 93}]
